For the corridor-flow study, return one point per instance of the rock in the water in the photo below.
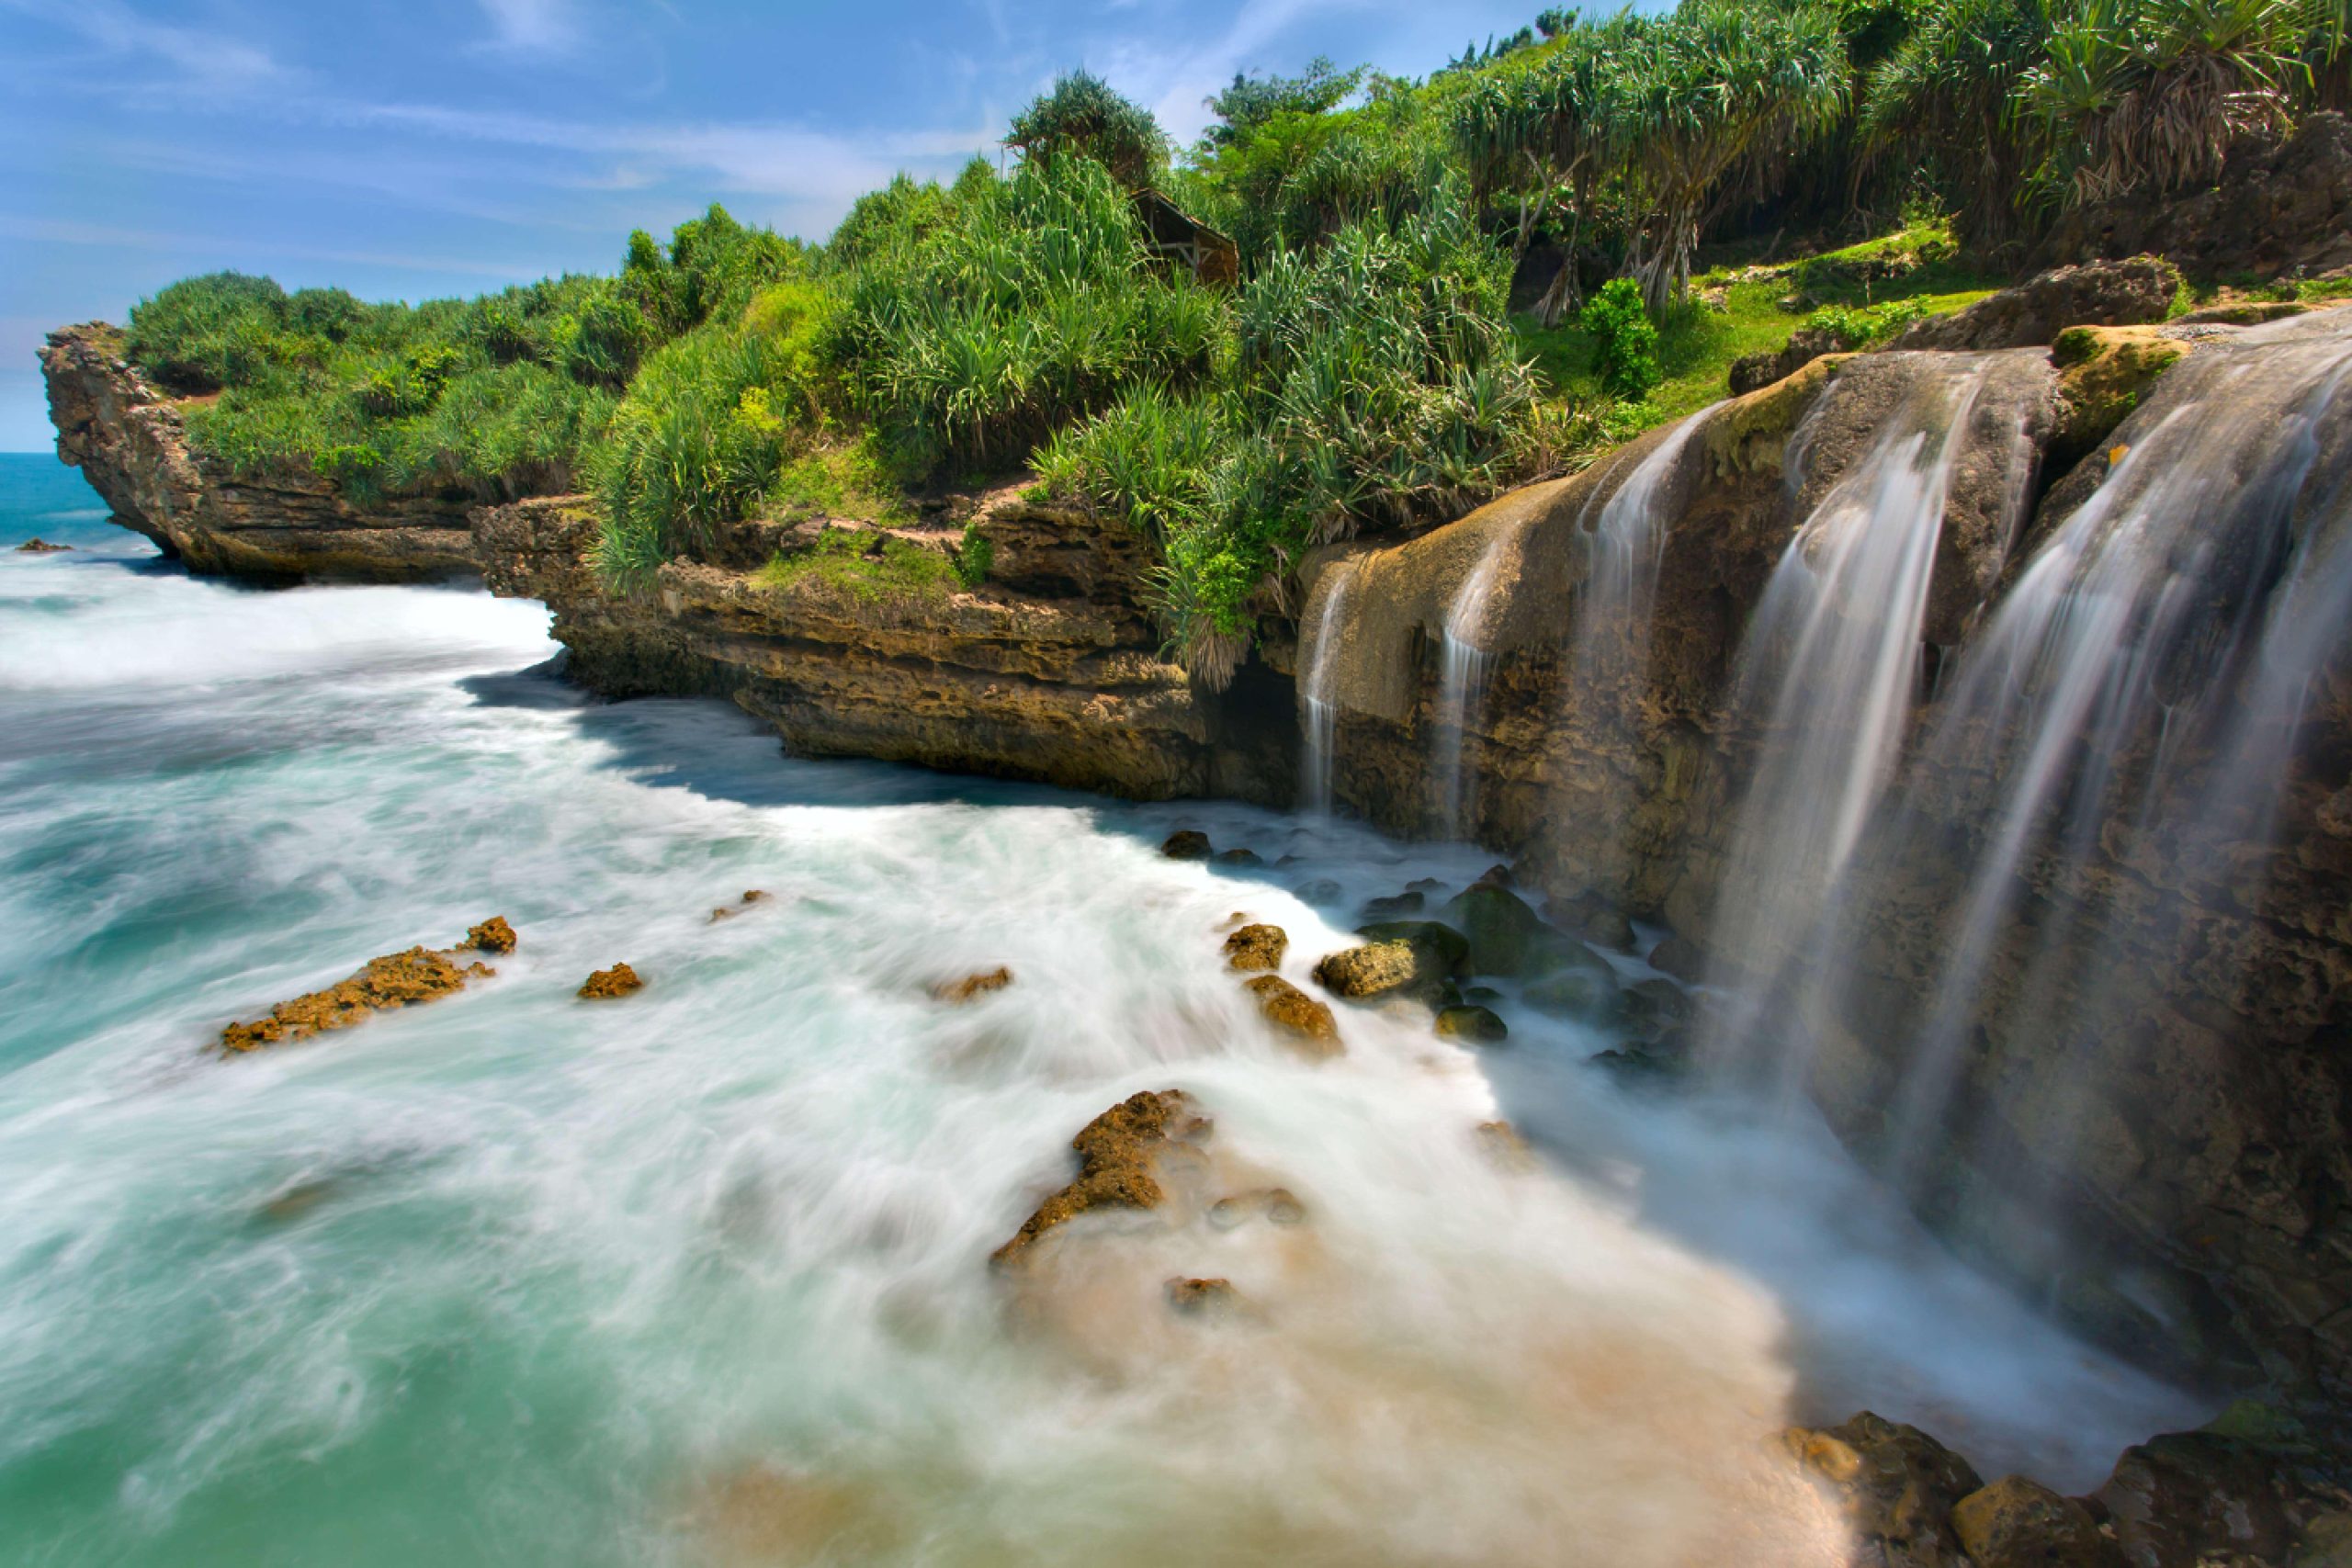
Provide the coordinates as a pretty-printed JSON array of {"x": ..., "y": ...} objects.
[
  {"x": 39, "y": 547},
  {"x": 1394, "y": 905},
  {"x": 1506, "y": 1147},
  {"x": 1496, "y": 875},
  {"x": 1447, "y": 949},
  {"x": 1186, "y": 843},
  {"x": 2017, "y": 1523},
  {"x": 1115, "y": 1152},
  {"x": 1375, "y": 969},
  {"x": 393, "y": 980},
  {"x": 1587, "y": 992},
  {"x": 1276, "y": 1205},
  {"x": 1608, "y": 926},
  {"x": 1307, "y": 1023},
  {"x": 750, "y": 896},
  {"x": 1680, "y": 959},
  {"x": 1425, "y": 884},
  {"x": 973, "y": 984},
  {"x": 1895, "y": 1484},
  {"x": 1505, "y": 936},
  {"x": 493, "y": 935},
  {"x": 1198, "y": 1296},
  {"x": 1322, "y": 890},
  {"x": 1256, "y": 947},
  {"x": 1239, "y": 857},
  {"x": 1479, "y": 1026},
  {"x": 1656, "y": 1002},
  {"x": 2181, "y": 1497},
  {"x": 620, "y": 980}
]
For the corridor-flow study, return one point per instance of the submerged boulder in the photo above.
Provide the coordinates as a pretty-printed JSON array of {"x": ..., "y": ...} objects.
[
  {"x": 1116, "y": 1152},
  {"x": 974, "y": 984},
  {"x": 1505, "y": 936},
  {"x": 1256, "y": 947},
  {"x": 1394, "y": 906},
  {"x": 393, "y": 980},
  {"x": 1587, "y": 992},
  {"x": 1196, "y": 1297},
  {"x": 1375, "y": 969},
  {"x": 39, "y": 547},
  {"x": 1449, "y": 947},
  {"x": 1186, "y": 843},
  {"x": 1477, "y": 1025},
  {"x": 1275, "y": 1205},
  {"x": 724, "y": 912},
  {"x": 1306, "y": 1022},
  {"x": 620, "y": 980}
]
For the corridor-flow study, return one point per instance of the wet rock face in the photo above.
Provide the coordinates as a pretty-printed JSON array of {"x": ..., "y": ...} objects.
[
  {"x": 2092, "y": 294},
  {"x": 493, "y": 935},
  {"x": 2017, "y": 1523},
  {"x": 127, "y": 439},
  {"x": 1305, "y": 1022},
  {"x": 1116, "y": 1152},
  {"x": 2184, "y": 1497},
  {"x": 955, "y": 992},
  {"x": 1895, "y": 1484}
]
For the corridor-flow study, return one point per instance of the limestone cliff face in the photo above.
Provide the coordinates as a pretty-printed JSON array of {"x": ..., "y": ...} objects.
[
  {"x": 127, "y": 439},
  {"x": 1049, "y": 670}
]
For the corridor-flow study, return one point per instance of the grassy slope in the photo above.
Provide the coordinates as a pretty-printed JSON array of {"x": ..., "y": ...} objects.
[{"x": 1732, "y": 312}]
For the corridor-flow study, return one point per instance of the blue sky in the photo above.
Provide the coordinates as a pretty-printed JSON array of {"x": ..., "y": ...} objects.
[{"x": 437, "y": 147}]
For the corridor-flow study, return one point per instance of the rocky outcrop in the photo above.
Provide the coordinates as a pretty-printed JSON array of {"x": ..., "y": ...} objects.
[
  {"x": 606, "y": 984},
  {"x": 1118, "y": 1153},
  {"x": 1050, "y": 670},
  {"x": 129, "y": 440},
  {"x": 394, "y": 980},
  {"x": 2094, "y": 294},
  {"x": 2278, "y": 208}
]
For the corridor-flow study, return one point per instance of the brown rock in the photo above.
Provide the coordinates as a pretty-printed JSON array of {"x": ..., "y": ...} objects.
[
  {"x": 1239, "y": 857},
  {"x": 1374, "y": 969},
  {"x": 1256, "y": 947},
  {"x": 725, "y": 912},
  {"x": 1307, "y": 1023},
  {"x": 1680, "y": 959},
  {"x": 493, "y": 935},
  {"x": 1116, "y": 1152},
  {"x": 1506, "y": 1147},
  {"x": 971, "y": 986},
  {"x": 1193, "y": 1297},
  {"x": 1186, "y": 843},
  {"x": 1478, "y": 1025},
  {"x": 2094, "y": 294},
  {"x": 618, "y": 981},
  {"x": 394, "y": 980},
  {"x": 39, "y": 547},
  {"x": 1895, "y": 1486},
  {"x": 2017, "y": 1523}
]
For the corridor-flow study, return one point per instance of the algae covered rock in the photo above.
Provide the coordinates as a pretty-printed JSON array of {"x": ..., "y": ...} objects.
[
  {"x": 1474, "y": 1025},
  {"x": 1306, "y": 1022},
  {"x": 1374, "y": 969},
  {"x": 1116, "y": 1152},
  {"x": 393, "y": 980},
  {"x": 620, "y": 980},
  {"x": 1255, "y": 947},
  {"x": 493, "y": 935},
  {"x": 1504, "y": 935},
  {"x": 1449, "y": 948},
  {"x": 2017, "y": 1523},
  {"x": 1395, "y": 907},
  {"x": 1587, "y": 992}
]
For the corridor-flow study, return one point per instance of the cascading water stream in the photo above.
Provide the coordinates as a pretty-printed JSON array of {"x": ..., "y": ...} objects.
[
  {"x": 2145, "y": 630},
  {"x": 1325, "y": 628},
  {"x": 1827, "y": 673},
  {"x": 1463, "y": 669}
]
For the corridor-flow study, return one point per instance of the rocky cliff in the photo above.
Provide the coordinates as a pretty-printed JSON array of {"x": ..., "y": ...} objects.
[
  {"x": 2148, "y": 1079},
  {"x": 127, "y": 439}
]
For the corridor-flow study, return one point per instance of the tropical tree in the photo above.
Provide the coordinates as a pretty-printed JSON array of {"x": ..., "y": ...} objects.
[
  {"x": 1946, "y": 97},
  {"x": 1082, "y": 114}
]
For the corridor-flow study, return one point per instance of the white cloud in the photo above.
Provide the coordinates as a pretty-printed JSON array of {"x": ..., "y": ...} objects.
[
  {"x": 531, "y": 26},
  {"x": 197, "y": 61}
]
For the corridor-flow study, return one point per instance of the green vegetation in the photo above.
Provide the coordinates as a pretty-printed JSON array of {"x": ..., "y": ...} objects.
[{"x": 1668, "y": 192}]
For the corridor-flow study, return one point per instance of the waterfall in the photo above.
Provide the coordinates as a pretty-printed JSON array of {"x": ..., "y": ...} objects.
[
  {"x": 1827, "y": 671},
  {"x": 2144, "y": 667},
  {"x": 1464, "y": 669},
  {"x": 1318, "y": 709}
]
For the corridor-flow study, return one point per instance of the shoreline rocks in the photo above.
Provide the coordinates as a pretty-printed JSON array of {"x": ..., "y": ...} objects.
[
  {"x": 392, "y": 980},
  {"x": 1116, "y": 1152}
]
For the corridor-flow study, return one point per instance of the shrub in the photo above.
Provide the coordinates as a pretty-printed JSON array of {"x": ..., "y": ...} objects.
[
  {"x": 202, "y": 334},
  {"x": 1624, "y": 339},
  {"x": 1084, "y": 116}
]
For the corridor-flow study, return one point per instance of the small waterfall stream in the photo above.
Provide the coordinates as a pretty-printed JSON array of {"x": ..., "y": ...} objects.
[
  {"x": 1464, "y": 667},
  {"x": 1828, "y": 667},
  {"x": 1319, "y": 707},
  {"x": 2145, "y": 632}
]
